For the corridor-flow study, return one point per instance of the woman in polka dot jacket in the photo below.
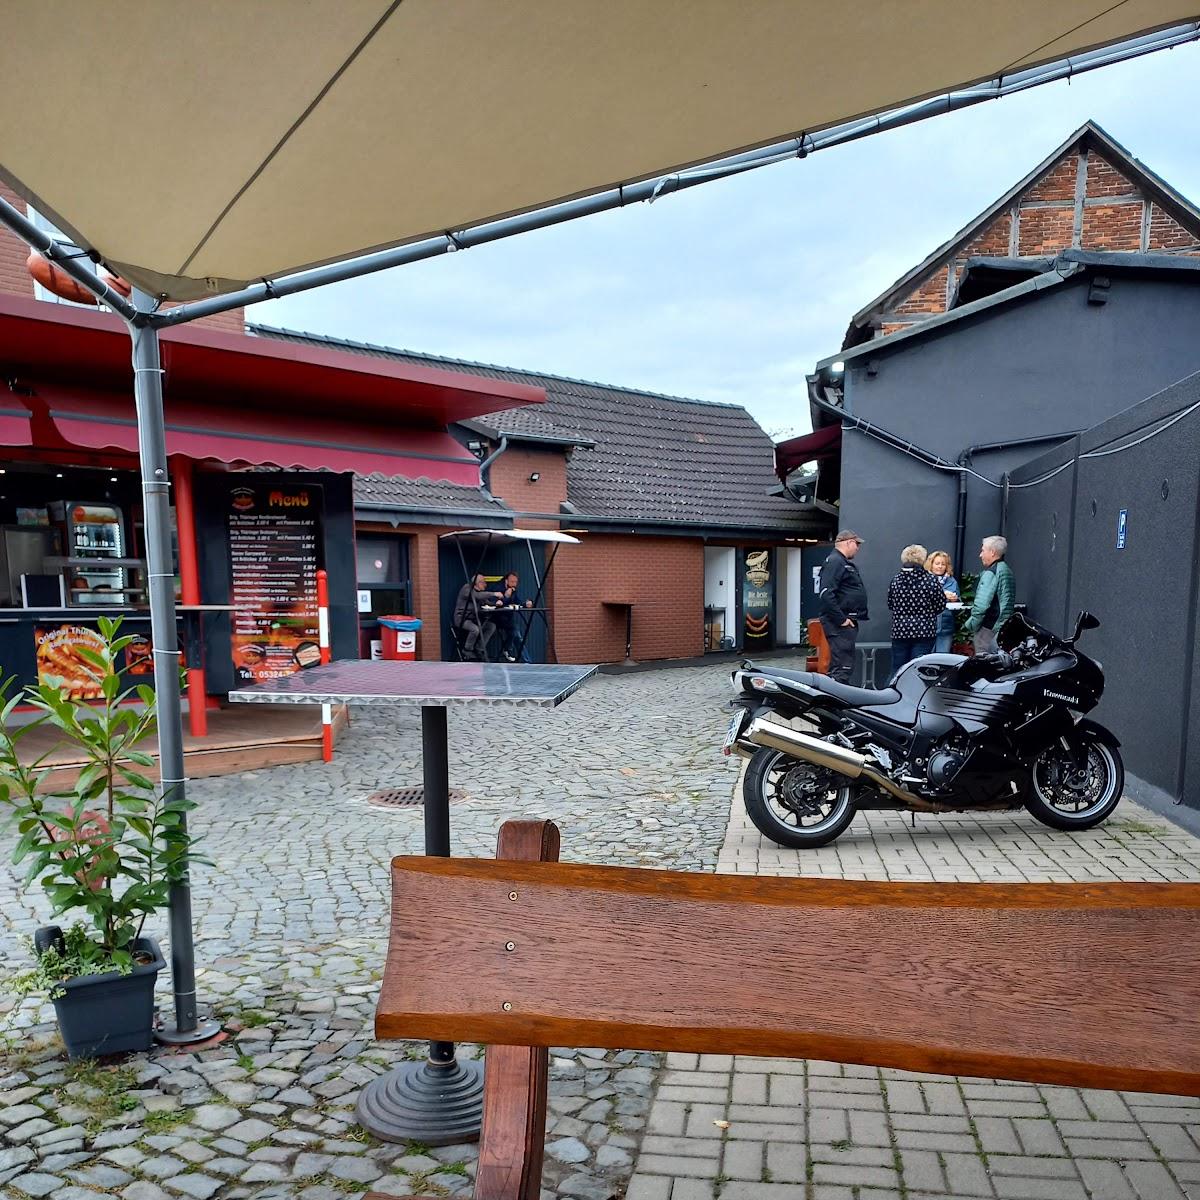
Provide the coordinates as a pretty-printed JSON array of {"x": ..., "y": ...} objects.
[{"x": 915, "y": 598}]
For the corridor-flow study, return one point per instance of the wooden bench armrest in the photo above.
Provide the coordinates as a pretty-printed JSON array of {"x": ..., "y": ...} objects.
[{"x": 512, "y": 1141}]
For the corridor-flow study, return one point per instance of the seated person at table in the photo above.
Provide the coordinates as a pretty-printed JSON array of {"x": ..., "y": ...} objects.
[
  {"x": 511, "y": 629},
  {"x": 474, "y": 626}
]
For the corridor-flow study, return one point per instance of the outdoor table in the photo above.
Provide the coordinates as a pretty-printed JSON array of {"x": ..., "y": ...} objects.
[{"x": 438, "y": 1102}]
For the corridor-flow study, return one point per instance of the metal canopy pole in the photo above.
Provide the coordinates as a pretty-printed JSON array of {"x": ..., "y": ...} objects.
[{"x": 156, "y": 500}]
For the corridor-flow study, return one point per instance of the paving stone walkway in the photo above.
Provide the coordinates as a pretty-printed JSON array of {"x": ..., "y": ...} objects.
[
  {"x": 774, "y": 1129},
  {"x": 291, "y": 937}
]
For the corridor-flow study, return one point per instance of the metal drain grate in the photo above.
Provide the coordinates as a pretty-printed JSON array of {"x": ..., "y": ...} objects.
[{"x": 407, "y": 797}]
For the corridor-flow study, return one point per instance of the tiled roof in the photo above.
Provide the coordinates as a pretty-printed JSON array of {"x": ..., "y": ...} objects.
[
  {"x": 656, "y": 457},
  {"x": 528, "y": 424},
  {"x": 382, "y": 491}
]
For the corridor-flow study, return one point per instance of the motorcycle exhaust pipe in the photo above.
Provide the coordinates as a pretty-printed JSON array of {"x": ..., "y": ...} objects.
[{"x": 762, "y": 731}]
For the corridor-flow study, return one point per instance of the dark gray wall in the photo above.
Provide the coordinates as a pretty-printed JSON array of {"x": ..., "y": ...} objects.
[
  {"x": 1144, "y": 594},
  {"x": 1048, "y": 363}
]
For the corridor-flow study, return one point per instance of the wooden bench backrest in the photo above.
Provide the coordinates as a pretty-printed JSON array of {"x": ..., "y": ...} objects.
[{"x": 1092, "y": 985}]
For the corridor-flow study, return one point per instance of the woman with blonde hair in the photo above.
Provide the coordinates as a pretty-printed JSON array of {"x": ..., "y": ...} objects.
[
  {"x": 938, "y": 564},
  {"x": 915, "y": 598}
]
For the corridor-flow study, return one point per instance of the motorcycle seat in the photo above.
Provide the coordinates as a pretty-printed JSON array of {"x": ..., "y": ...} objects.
[{"x": 842, "y": 692}]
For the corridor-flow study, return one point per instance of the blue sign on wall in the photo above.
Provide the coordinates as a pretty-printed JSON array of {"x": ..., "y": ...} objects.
[{"x": 1122, "y": 520}]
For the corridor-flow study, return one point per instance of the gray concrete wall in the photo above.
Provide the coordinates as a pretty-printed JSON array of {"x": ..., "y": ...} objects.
[
  {"x": 1046, "y": 364},
  {"x": 1145, "y": 593}
]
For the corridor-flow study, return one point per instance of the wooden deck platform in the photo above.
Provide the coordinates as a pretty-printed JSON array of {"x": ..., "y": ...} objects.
[{"x": 241, "y": 737}]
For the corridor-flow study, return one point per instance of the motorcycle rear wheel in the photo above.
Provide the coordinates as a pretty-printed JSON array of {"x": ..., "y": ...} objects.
[
  {"x": 771, "y": 792},
  {"x": 1082, "y": 798}
]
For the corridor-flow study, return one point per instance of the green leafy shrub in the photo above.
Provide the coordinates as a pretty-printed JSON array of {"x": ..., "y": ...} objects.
[
  {"x": 966, "y": 593},
  {"x": 108, "y": 848}
]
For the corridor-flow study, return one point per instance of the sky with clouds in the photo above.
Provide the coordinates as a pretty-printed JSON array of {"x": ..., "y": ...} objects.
[{"x": 731, "y": 291}]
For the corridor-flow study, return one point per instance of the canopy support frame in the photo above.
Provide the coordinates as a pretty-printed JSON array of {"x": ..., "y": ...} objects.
[{"x": 652, "y": 189}]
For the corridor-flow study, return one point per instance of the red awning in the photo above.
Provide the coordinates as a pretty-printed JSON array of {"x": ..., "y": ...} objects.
[
  {"x": 821, "y": 443},
  {"x": 221, "y": 432},
  {"x": 14, "y": 425},
  {"x": 241, "y": 399}
]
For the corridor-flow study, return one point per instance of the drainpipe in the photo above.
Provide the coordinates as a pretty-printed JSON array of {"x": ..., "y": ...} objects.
[
  {"x": 964, "y": 463},
  {"x": 491, "y": 458}
]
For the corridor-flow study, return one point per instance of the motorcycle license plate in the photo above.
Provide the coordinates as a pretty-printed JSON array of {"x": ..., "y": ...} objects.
[{"x": 735, "y": 728}]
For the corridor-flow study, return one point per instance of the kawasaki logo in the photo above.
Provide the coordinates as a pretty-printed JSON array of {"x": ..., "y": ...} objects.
[{"x": 1059, "y": 696}]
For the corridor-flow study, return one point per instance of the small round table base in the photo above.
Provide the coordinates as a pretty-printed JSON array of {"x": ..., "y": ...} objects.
[
  {"x": 436, "y": 1103},
  {"x": 171, "y": 1035}
]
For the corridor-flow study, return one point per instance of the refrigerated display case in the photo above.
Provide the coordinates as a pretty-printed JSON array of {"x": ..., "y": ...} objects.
[{"x": 94, "y": 565}]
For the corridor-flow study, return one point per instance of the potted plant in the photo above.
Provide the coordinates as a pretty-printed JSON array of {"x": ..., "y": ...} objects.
[
  {"x": 106, "y": 850},
  {"x": 966, "y": 593}
]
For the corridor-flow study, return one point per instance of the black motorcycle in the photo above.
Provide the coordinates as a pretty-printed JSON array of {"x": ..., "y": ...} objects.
[{"x": 947, "y": 734}]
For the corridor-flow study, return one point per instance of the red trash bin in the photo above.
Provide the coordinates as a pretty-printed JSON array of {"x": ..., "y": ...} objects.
[{"x": 399, "y": 635}]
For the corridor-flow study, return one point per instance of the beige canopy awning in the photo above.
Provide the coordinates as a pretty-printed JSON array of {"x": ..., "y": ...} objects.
[{"x": 196, "y": 147}]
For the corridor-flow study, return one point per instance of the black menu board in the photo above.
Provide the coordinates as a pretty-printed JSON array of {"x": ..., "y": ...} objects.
[{"x": 274, "y": 541}]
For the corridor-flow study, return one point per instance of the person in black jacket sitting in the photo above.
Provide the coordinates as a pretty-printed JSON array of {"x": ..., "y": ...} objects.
[
  {"x": 475, "y": 627},
  {"x": 843, "y": 604}
]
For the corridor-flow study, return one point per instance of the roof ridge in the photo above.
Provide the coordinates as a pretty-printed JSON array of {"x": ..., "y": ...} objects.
[{"x": 253, "y": 326}]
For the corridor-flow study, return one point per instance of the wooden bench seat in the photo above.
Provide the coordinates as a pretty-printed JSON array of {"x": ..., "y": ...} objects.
[{"x": 1088, "y": 985}]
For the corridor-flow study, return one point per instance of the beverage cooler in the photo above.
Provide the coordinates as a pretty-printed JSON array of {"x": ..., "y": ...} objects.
[{"x": 95, "y": 567}]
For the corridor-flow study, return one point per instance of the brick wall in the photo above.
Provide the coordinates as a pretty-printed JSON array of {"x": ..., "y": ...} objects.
[
  {"x": 15, "y": 279},
  {"x": 509, "y": 478},
  {"x": 426, "y": 587},
  {"x": 1103, "y": 179},
  {"x": 664, "y": 577},
  {"x": 1058, "y": 183},
  {"x": 929, "y": 297},
  {"x": 1045, "y": 230},
  {"x": 1103, "y": 211},
  {"x": 1167, "y": 234},
  {"x": 1112, "y": 227}
]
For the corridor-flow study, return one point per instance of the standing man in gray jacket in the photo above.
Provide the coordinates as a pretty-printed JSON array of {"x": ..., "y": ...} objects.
[
  {"x": 995, "y": 595},
  {"x": 843, "y": 604}
]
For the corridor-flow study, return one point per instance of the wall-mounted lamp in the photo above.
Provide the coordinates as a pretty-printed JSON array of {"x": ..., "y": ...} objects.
[
  {"x": 837, "y": 368},
  {"x": 535, "y": 476}
]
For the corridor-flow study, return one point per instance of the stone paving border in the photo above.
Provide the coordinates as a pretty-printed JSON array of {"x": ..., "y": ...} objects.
[{"x": 776, "y": 1129}]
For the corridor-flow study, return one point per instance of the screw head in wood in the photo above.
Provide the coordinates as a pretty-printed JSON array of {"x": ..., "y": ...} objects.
[
  {"x": 512, "y": 895},
  {"x": 507, "y": 1006},
  {"x": 510, "y": 945}
]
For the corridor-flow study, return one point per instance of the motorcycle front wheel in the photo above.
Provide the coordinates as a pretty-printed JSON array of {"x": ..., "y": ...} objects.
[
  {"x": 1076, "y": 787},
  {"x": 795, "y": 803}
]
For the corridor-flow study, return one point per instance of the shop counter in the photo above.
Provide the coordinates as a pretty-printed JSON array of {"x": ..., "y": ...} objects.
[{"x": 41, "y": 644}]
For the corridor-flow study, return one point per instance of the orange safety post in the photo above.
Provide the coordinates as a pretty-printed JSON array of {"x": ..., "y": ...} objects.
[
  {"x": 189, "y": 584},
  {"x": 323, "y": 642}
]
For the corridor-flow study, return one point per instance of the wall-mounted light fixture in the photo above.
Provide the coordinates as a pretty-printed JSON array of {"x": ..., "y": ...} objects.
[{"x": 535, "y": 476}]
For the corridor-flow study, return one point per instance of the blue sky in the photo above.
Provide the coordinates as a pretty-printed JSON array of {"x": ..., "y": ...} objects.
[{"x": 733, "y": 290}]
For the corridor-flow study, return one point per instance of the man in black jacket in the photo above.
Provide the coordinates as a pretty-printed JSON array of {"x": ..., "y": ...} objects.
[
  {"x": 843, "y": 604},
  {"x": 475, "y": 627}
]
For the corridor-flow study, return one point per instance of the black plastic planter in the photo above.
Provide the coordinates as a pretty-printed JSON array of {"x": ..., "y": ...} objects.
[{"x": 110, "y": 1013}]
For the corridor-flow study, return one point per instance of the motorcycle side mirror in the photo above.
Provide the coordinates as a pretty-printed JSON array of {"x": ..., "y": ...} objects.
[{"x": 1085, "y": 620}]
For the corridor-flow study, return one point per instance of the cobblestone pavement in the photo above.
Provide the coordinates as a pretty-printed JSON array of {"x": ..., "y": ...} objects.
[
  {"x": 291, "y": 941},
  {"x": 775, "y": 1129}
]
